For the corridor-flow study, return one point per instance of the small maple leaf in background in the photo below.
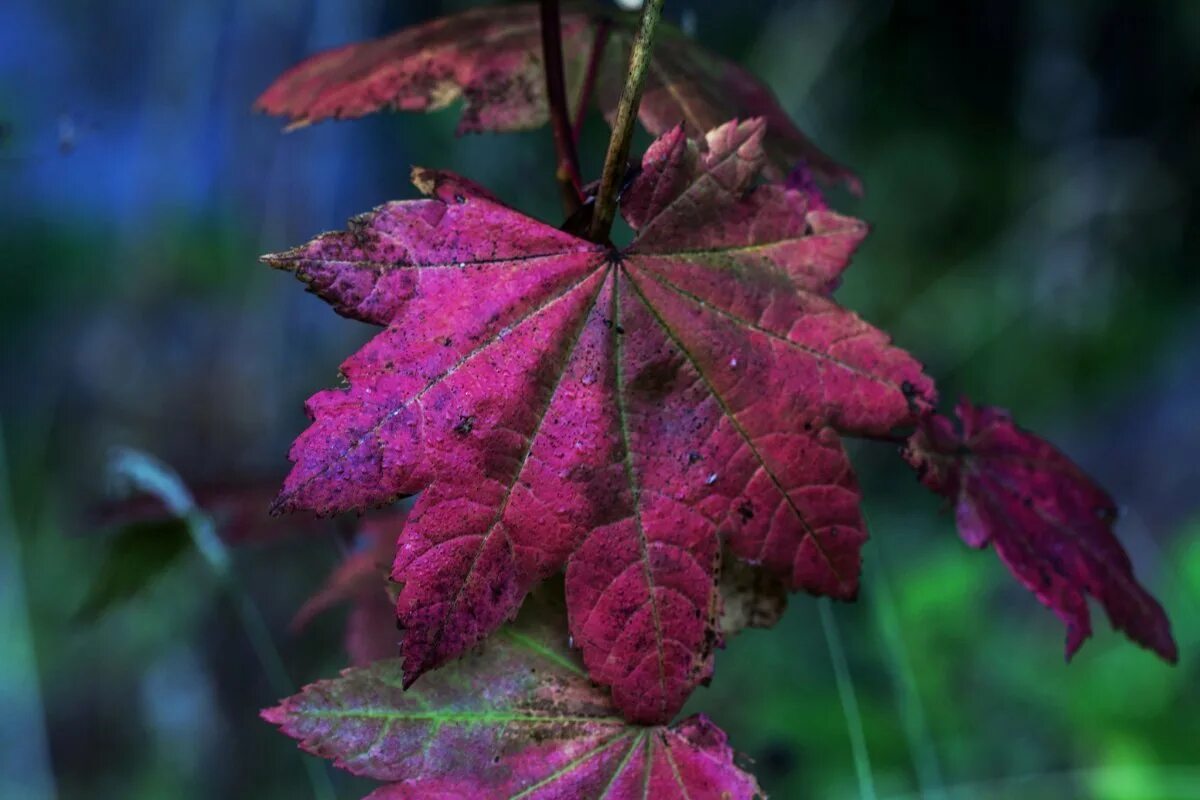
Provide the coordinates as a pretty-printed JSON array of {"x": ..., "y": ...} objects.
[
  {"x": 144, "y": 537},
  {"x": 236, "y": 509},
  {"x": 1048, "y": 521},
  {"x": 517, "y": 718},
  {"x": 361, "y": 579},
  {"x": 491, "y": 58},
  {"x": 562, "y": 404}
]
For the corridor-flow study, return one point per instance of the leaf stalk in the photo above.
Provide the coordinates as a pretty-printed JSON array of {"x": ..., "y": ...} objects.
[
  {"x": 622, "y": 133},
  {"x": 599, "y": 42},
  {"x": 567, "y": 170}
]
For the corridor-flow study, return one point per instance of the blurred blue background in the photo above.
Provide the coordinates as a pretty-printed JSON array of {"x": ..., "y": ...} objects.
[{"x": 1030, "y": 171}]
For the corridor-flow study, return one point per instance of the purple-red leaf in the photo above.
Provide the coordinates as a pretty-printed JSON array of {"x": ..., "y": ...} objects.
[
  {"x": 689, "y": 84},
  {"x": 491, "y": 58},
  {"x": 1048, "y": 521},
  {"x": 519, "y": 718},
  {"x": 236, "y": 511},
  {"x": 362, "y": 580},
  {"x": 564, "y": 405},
  {"x": 488, "y": 57}
]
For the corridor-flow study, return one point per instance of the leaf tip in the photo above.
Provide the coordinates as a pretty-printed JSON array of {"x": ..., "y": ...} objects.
[
  {"x": 277, "y": 260},
  {"x": 281, "y": 505},
  {"x": 276, "y": 715}
]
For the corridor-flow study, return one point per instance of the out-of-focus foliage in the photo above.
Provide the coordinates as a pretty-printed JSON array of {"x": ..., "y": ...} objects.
[{"x": 1029, "y": 172}]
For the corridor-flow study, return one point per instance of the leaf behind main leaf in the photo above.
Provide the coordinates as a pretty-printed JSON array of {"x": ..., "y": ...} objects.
[
  {"x": 1048, "y": 521},
  {"x": 517, "y": 718},
  {"x": 491, "y": 58}
]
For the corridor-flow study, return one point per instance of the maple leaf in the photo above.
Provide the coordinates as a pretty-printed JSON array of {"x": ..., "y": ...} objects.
[
  {"x": 236, "y": 510},
  {"x": 361, "y": 579},
  {"x": 138, "y": 553},
  {"x": 617, "y": 413},
  {"x": 1048, "y": 521},
  {"x": 519, "y": 718},
  {"x": 491, "y": 59}
]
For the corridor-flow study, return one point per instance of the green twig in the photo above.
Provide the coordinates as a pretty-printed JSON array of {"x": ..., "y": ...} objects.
[
  {"x": 622, "y": 133},
  {"x": 25, "y": 762},
  {"x": 845, "y": 686},
  {"x": 921, "y": 746}
]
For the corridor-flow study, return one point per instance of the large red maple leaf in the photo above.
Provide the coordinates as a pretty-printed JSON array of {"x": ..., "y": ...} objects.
[
  {"x": 1049, "y": 522},
  {"x": 565, "y": 404}
]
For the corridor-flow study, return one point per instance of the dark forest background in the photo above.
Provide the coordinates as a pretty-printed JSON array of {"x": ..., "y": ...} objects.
[{"x": 1030, "y": 172}]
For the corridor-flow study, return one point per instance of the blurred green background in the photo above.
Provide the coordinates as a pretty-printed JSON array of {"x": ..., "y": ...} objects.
[{"x": 1031, "y": 173}]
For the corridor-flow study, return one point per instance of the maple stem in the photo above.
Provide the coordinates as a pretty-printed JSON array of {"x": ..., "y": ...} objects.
[
  {"x": 622, "y": 132},
  {"x": 567, "y": 171},
  {"x": 921, "y": 746},
  {"x": 599, "y": 42},
  {"x": 24, "y": 712},
  {"x": 845, "y": 687}
]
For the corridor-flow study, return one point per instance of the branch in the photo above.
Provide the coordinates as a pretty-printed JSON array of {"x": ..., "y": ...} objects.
[
  {"x": 622, "y": 132},
  {"x": 567, "y": 172},
  {"x": 589, "y": 77}
]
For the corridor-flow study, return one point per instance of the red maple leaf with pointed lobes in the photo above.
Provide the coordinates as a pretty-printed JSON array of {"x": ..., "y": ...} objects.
[
  {"x": 517, "y": 719},
  {"x": 617, "y": 413},
  {"x": 1048, "y": 521},
  {"x": 491, "y": 59}
]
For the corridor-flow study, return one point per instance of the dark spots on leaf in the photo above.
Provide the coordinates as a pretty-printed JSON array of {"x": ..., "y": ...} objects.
[
  {"x": 910, "y": 396},
  {"x": 655, "y": 379},
  {"x": 1043, "y": 578},
  {"x": 620, "y": 330},
  {"x": 465, "y": 425},
  {"x": 693, "y": 457},
  {"x": 746, "y": 511}
]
